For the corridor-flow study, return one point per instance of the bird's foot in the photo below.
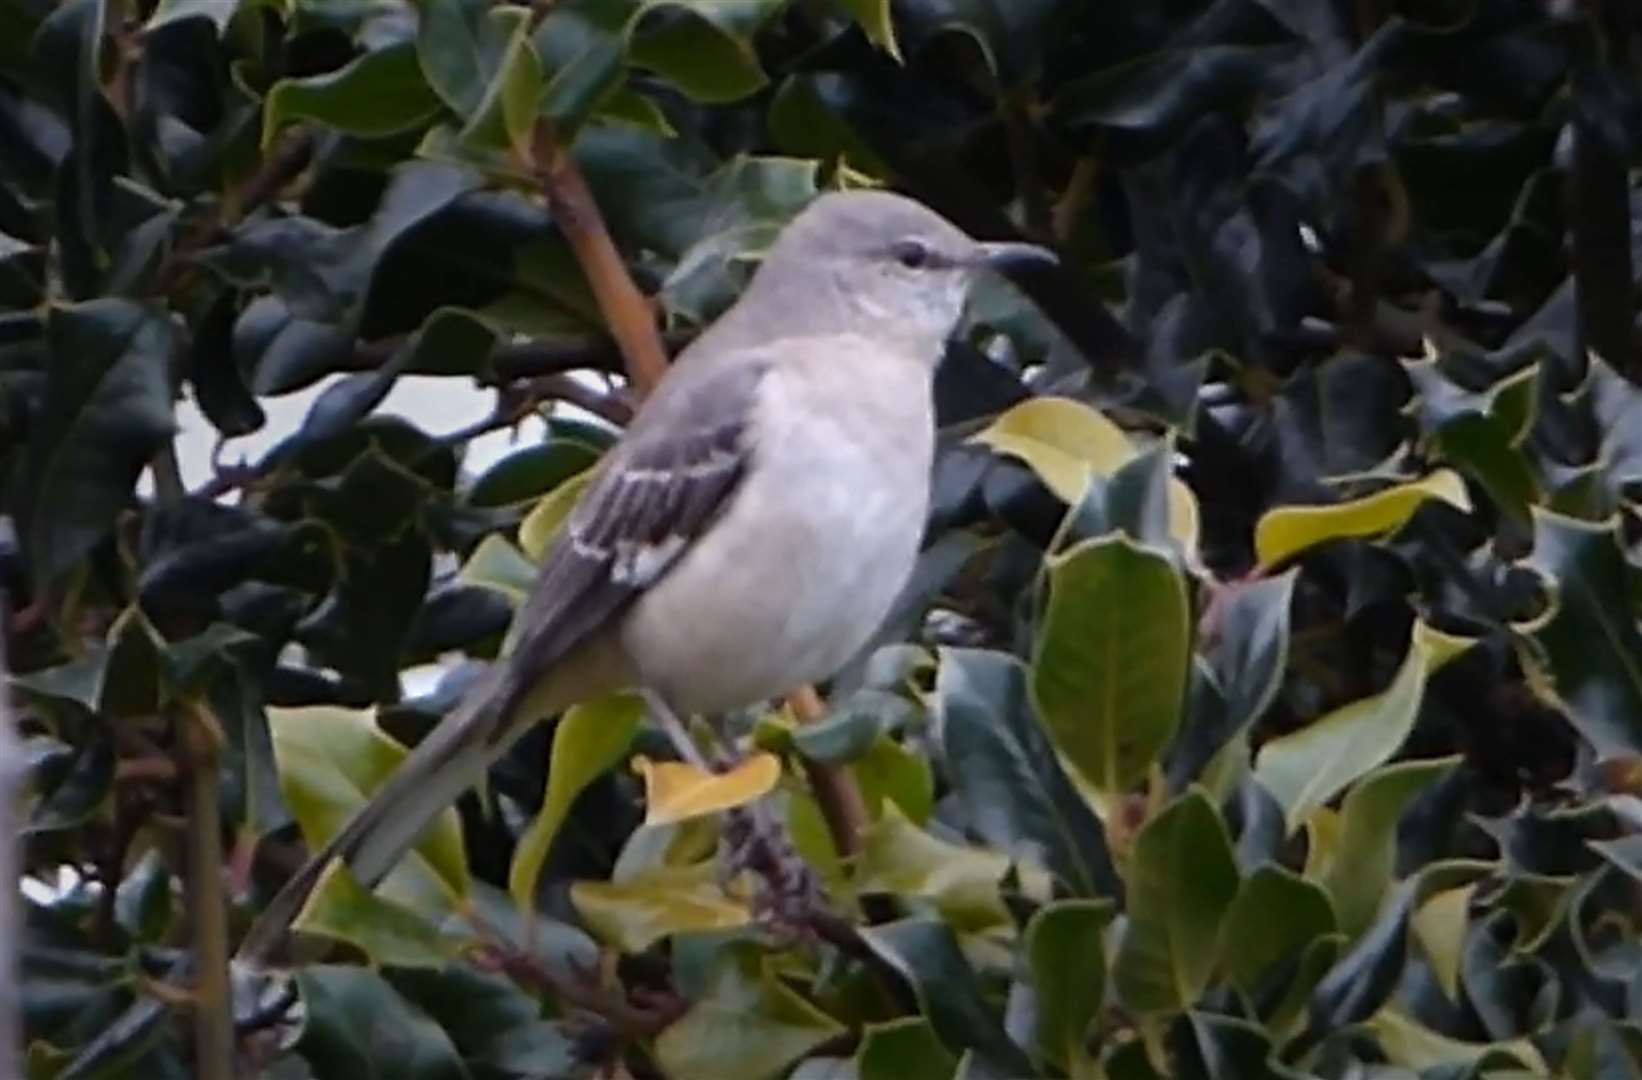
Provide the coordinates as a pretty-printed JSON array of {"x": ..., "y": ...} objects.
[{"x": 786, "y": 894}]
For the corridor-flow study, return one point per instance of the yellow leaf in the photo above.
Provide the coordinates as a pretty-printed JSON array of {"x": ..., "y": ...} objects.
[
  {"x": 670, "y": 900},
  {"x": 1067, "y": 443},
  {"x": 675, "y": 790},
  {"x": 1064, "y": 441},
  {"x": 542, "y": 524},
  {"x": 1439, "y": 926},
  {"x": 1289, "y": 530}
]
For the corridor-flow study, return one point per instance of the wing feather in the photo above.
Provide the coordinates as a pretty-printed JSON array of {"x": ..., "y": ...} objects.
[{"x": 659, "y": 489}]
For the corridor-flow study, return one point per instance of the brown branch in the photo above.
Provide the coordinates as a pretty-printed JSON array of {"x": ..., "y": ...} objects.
[
  {"x": 630, "y": 315},
  {"x": 836, "y": 793},
  {"x": 202, "y": 739},
  {"x": 632, "y": 322}
]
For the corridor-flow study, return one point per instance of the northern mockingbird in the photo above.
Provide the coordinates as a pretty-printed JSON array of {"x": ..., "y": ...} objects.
[{"x": 752, "y": 527}]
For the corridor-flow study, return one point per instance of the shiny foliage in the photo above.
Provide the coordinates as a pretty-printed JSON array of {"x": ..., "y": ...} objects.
[{"x": 1268, "y": 701}]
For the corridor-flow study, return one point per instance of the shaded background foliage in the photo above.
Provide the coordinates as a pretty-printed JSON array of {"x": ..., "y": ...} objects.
[{"x": 1291, "y": 726}]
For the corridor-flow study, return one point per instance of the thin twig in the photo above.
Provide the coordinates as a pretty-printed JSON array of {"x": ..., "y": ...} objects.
[
  {"x": 208, "y": 906},
  {"x": 836, "y": 793}
]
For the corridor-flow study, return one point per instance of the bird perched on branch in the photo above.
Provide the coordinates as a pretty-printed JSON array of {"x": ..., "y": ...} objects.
[{"x": 749, "y": 531}]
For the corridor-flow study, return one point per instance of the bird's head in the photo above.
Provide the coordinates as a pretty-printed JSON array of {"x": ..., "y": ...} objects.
[{"x": 883, "y": 264}]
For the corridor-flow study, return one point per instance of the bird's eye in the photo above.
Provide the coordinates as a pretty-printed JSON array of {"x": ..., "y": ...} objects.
[{"x": 911, "y": 254}]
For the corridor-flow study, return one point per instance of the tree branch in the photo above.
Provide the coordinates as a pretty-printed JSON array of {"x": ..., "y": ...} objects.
[{"x": 201, "y": 739}]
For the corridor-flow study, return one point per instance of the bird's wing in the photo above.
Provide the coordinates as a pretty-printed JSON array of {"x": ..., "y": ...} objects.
[{"x": 656, "y": 492}]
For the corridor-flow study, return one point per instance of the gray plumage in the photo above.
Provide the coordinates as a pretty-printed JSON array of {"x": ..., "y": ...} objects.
[{"x": 751, "y": 528}]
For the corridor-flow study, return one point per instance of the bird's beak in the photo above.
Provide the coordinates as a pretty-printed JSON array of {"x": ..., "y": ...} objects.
[{"x": 1008, "y": 256}]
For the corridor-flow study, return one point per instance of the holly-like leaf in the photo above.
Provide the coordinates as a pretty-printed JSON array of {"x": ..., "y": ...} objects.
[
  {"x": 106, "y": 412},
  {"x": 1182, "y": 881},
  {"x": 676, "y": 790},
  {"x": 1109, "y": 674},
  {"x": 1308, "y": 767},
  {"x": 643, "y": 909},
  {"x": 1288, "y": 530},
  {"x": 1589, "y": 634},
  {"x": 747, "y": 1024},
  {"x": 589, "y": 741},
  {"x": 383, "y": 92}
]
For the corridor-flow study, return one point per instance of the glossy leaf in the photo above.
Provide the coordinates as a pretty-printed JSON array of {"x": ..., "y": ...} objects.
[
  {"x": 644, "y": 909},
  {"x": 1286, "y": 531},
  {"x": 1275, "y": 917},
  {"x": 1307, "y": 768},
  {"x": 746, "y": 1024},
  {"x": 330, "y": 761},
  {"x": 1007, "y": 776},
  {"x": 1066, "y": 962},
  {"x": 106, "y": 411},
  {"x": 589, "y": 741},
  {"x": 676, "y": 791},
  {"x": 1109, "y": 674},
  {"x": 1182, "y": 883},
  {"x": 381, "y": 93}
]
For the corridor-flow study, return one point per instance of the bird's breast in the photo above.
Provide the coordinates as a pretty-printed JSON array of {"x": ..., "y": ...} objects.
[{"x": 811, "y": 552}]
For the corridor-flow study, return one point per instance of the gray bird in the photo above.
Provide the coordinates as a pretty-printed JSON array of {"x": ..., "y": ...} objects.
[{"x": 751, "y": 528}]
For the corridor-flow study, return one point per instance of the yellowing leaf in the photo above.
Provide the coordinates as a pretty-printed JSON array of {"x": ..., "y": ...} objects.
[
  {"x": 677, "y": 790},
  {"x": 1067, "y": 443},
  {"x": 1064, "y": 441},
  {"x": 589, "y": 741},
  {"x": 330, "y": 762},
  {"x": 874, "y": 20},
  {"x": 1288, "y": 530},
  {"x": 1306, "y": 768},
  {"x": 1439, "y": 926},
  {"x": 1412, "y": 1045},
  {"x": 672, "y": 900},
  {"x": 542, "y": 524},
  {"x": 497, "y": 564}
]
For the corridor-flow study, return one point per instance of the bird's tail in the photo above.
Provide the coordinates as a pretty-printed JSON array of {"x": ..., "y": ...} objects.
[{"x": 452, "y": 758}]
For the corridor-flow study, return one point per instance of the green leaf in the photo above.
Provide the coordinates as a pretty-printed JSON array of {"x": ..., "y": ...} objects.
[
  {"x": 497, "y": 564},
  {"x": 330, "y": 763},
  {"x": 904, "y": 1049},
  {"x": 703, "y": 47},
  {"x": 658, "y": 903},
  {"x": 1109, "y": 672},
  {"x": 874, "y": 19},
  {"x": 1589, "y": 634},
  {"x": 1250, "y": 657},
  {"x": 358, "y": 1026},
  {"x": 457, "y": 46},
  {"x": 505, "y": 117},
  {"x": 381, "y": 93},
  {"x": 1275, "y": 917},
  {"x": 747, "y": 1024},
  {"x": 1286, "y": 531},
  {"x": 1359, "y": 873},
  {"x": 1014, "y": 791},
  {"x": 105, "y": 413},
  {"x": 542, "y": 524},
  {"x": 1308, "y": 767},
  {"x": 388, "y": 933},
  {"x": 962, "y": 883},
  {"x": 1182, "y": 881},
  {"x": 892, "y": 775},
  {"x": 926, "y": 954},
  {"x": 1066, "y": 966},
  {"x": 590, "y": 740}
]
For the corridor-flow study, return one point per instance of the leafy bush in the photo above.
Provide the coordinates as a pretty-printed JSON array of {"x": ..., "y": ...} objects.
[{"x": 1269, "y": 697}]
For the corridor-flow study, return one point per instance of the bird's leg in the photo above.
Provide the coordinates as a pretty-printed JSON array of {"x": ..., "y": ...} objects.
[{"x": 752, "y": 840}]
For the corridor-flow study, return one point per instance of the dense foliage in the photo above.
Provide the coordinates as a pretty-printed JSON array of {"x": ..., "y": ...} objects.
[{"x": 1269, "y": 698}]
